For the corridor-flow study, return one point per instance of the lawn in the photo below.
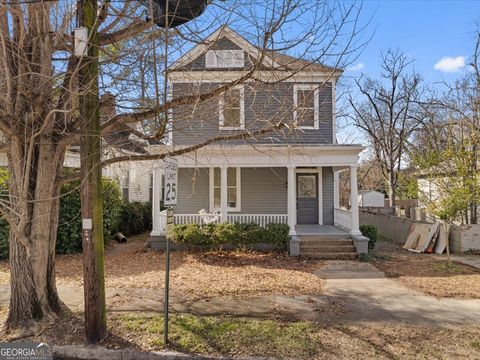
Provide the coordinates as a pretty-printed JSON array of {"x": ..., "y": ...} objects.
[
  {"x": 195, "y": 275},
  {"x": 426, "y": 274},
  {"x": 240, "y": 337}
]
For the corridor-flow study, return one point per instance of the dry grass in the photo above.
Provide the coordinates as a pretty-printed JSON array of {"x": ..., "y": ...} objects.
[
  {"x": 431, "y": 276},
  {"x": 238, "y": 337},
  {"x": 196, "y": 275}
]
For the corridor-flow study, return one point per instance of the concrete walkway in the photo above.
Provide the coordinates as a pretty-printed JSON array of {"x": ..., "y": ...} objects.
[
  {"x": 368, "y": 295},
  {"x": 355, "y": 292}
]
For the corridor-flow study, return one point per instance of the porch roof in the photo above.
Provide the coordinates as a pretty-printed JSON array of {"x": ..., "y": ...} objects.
[{"x": 334, "y": 155}]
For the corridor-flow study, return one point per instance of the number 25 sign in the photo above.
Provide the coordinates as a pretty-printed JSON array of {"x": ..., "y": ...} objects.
[{"x": 171, "y": 176}]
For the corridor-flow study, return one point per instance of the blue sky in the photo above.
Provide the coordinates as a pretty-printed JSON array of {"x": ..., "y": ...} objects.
[{"x": 425, "y": 30}]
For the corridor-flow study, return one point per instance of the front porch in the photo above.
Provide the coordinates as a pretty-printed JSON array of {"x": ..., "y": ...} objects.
[{"x": 281, "y": 186}]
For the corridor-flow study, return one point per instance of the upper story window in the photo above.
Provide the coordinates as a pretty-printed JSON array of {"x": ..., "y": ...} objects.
[
  {"x": 231, "y": 110},
  {"x": 306, "y": 106},
  {"x": 224, "y": 59}
]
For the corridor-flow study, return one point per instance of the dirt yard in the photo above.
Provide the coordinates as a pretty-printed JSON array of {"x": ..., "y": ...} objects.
[
  {"x": 424, "y": 273},
  {"x": 195, "y": 275}
]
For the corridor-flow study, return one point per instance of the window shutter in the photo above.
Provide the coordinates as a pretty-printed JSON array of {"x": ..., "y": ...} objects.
[{"x": 210, "y": 59}]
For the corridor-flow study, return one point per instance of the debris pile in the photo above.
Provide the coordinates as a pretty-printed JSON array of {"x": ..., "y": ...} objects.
[{"x": 426, "y": 238}]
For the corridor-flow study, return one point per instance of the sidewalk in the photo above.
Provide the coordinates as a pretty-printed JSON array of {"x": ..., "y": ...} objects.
[{"x": 355, "y": 292}]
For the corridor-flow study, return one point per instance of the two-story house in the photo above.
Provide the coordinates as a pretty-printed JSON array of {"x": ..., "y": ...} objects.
[{"x": 288, "y": 175}]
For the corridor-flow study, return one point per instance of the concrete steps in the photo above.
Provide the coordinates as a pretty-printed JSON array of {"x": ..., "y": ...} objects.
[{"x": 327, "y": 247}]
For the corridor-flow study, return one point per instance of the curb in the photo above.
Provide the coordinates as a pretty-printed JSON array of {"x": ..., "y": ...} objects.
[{"x": 80, "y": 352}]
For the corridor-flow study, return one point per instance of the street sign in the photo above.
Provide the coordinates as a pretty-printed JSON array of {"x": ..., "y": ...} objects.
[{"x": 171, "y": 176}]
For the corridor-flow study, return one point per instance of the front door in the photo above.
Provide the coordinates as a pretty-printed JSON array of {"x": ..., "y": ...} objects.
[{"x": 307, "y": 199}]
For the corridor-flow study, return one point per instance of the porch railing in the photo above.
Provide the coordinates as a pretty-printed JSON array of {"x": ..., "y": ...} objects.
[
  {"x": 343, "y": 218},
  {"x": 260, "y": 219}
]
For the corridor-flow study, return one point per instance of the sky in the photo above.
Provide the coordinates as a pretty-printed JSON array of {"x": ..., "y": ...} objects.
[
  {"x": 438, "y": 35},
  {"x": 427, "y": 31}
]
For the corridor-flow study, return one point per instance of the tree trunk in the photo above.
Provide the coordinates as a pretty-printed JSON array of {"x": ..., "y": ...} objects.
[
  {"x": 32, "y": 242},
  {"x": 392, "y": 193}
]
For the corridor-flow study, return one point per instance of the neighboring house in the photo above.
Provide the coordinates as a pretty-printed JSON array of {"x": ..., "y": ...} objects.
[
  {"x": 285, "y": 176},
  {"x": 371, "y": 198}
]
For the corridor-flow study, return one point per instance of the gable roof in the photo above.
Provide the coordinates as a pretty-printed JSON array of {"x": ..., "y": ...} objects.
[{"x": 272, "y": 60}]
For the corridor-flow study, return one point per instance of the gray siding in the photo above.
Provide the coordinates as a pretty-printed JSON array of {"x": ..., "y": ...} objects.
[
  {"x": 264, "y": 191},
  {"x": 264, "y": 104},
  {"x": 327, "y": 194},
  {"x": 192, "y": 191}
]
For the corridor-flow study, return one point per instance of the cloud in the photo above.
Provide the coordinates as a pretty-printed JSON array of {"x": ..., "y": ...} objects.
[
  {"x": 357, "y": 67},
  {"x": 450, "y": 64}
]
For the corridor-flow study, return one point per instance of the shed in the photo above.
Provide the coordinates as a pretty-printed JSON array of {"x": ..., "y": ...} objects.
[{"x": 371, "y": 198}]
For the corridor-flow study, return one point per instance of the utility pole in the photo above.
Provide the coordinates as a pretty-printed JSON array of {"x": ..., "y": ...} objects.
[{"x": 91, "y": 187}]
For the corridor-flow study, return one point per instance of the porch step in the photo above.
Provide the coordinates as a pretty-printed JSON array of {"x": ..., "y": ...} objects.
[
  {"x": 326, "y": 242},
  {"x": 309, "y": 249},
  {"x": 339, "y": 247},
  {"x": 329, "y": 256}
]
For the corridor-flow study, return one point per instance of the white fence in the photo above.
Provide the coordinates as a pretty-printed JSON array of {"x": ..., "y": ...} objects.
[
  {"x": 260, "y": 219},
  {"x": 343, "y": 218}
]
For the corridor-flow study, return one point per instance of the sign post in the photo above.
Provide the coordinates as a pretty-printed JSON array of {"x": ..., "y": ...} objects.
[{"x": 171, "y": 176}]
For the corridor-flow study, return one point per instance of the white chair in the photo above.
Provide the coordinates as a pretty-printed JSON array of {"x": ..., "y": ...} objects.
[{"x": 209, "y": 218}]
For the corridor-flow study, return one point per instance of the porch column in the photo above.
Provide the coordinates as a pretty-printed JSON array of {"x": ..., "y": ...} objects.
[
  {"x": 291, "y": 202},
  {"x": 156, "y": 198},
  {"x": 336, "y": 189},
  {"x": 354, "y": 201},
  {"x": 223, "y": 193}
]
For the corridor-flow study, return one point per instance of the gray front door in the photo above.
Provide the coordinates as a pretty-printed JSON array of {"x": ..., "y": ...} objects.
[{"x": 307, "y": 199}]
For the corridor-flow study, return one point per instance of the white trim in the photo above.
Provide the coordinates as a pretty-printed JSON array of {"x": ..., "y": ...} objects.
[
  {"x": 211, "y": 179},
  {"x": 210, "y": 41},
  {"x": 291, "y": 198},
  {"x": 338, "y": 156},
  {"x": 221, "y": 117},
  {"x": 316, "y": 108},
  {"x": 274, "y": 76},
  {"x": 211, "y": 188}
]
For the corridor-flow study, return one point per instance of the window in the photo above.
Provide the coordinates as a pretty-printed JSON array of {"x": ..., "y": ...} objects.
[
  {"x": 233, "y": 189},
  {"x": 231, "y": 109},
  {"x": 224, "y": 59},
  {"x": 306, "y": 102},
  {"x": 125, "y": 181}
]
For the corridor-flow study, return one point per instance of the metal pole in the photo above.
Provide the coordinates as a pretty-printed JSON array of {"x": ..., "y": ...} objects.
[{"x": 166, "y": 294}]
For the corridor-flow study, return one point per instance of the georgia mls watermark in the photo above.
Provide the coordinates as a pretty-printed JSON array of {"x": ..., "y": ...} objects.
[{"x": 25, "y": 351}]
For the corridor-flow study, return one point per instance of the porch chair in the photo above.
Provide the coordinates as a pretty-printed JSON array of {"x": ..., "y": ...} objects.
[{"x": 209, "y": 218}]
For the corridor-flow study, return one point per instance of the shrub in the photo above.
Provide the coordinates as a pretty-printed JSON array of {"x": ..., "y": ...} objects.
[
  {"x": 371, "y": 232},
  {"x": 135, "y": 218},
  {"x": 69, "y": 233},
  {"x": 238, "y": 235}
]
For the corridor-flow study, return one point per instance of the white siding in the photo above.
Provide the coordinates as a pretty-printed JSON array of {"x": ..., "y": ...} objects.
[{"x": 371, "y": 199}]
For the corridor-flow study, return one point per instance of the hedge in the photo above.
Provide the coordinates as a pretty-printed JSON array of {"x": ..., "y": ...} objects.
[
  {"x": 130, "y": 218},
  {"x": 135, "y": 218},
  {"x": 371, "y": 232},
  {"x": 69, "y": 233},
  {"x": 238, "y": 235}
]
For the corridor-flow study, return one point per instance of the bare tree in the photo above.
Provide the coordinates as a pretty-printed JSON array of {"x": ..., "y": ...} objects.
[
  {"x": 389, "y": 113},
  {"x": 39, "y": 103}
]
